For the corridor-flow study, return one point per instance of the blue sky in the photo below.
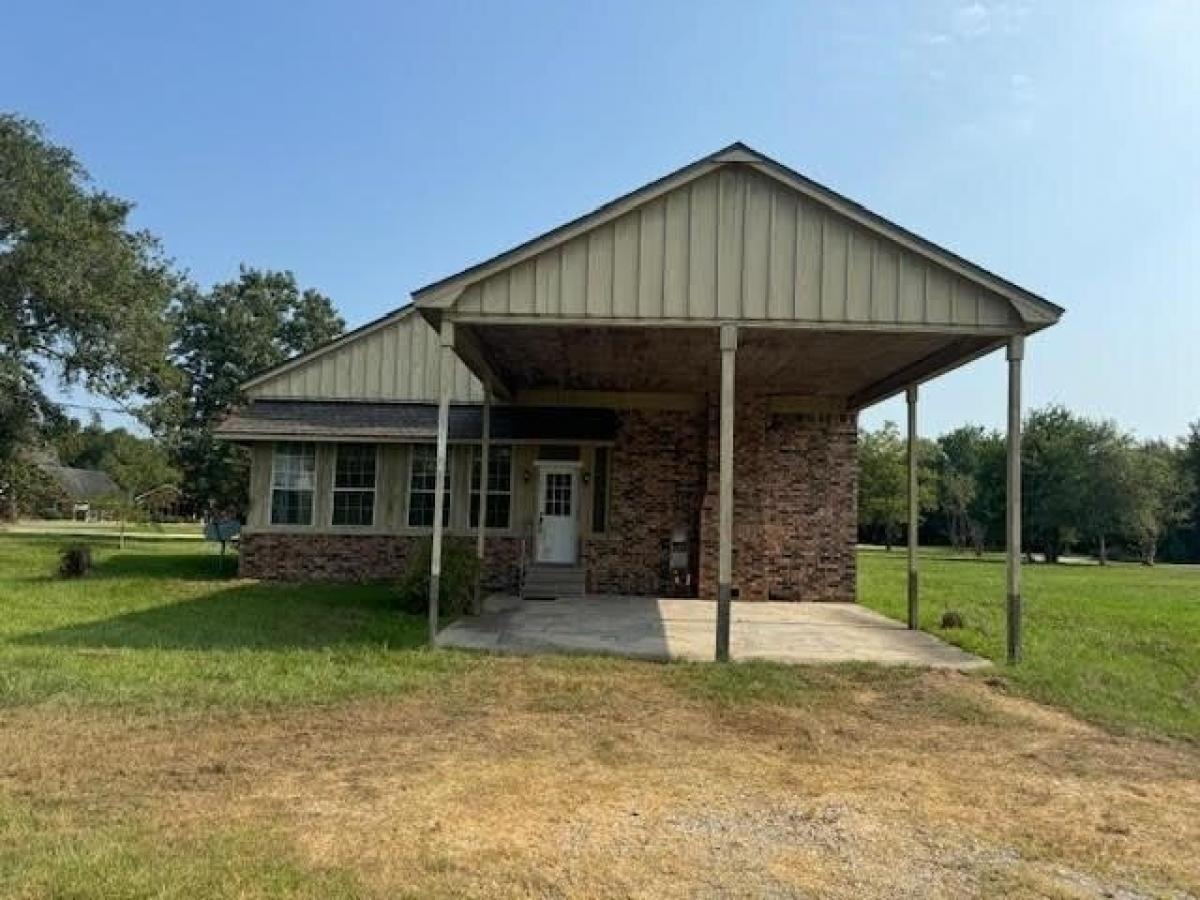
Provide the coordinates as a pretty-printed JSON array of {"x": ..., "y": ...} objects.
[{"x": 373, "y": 147}]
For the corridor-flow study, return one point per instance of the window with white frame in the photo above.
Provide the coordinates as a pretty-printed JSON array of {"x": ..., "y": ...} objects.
[
  {"x": 499, "y": 500},
  {"x": 293, "y": 479},
  {"x": 354, "y": 485},
  {"x": 422, "y": 487}
]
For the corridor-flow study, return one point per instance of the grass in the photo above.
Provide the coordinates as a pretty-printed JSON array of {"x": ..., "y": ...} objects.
[
  {"x": 1119, "y": 644},
  {"x": 168, "y": 730},
  {"x": 165, "y": 626}
]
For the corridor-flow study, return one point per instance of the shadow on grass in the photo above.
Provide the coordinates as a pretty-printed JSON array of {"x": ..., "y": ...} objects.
[
  {"x": 175, "y": 566},
  {"x": 253, "y": 616}
]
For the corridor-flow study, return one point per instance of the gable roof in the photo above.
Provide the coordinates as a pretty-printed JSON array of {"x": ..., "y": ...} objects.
[
  {"x": 392, "y": 358},
  {"x": 81, "y": 484},
  {"x": 1032, "y": 308}
]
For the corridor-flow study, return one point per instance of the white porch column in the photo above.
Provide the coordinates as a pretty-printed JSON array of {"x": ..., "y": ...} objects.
[
  {"x": 729, "y": 337},
  {"x": 445, "y": 383},
  {"x": 480, "y": 545},
  {"x": 1016, "y": 353},
  {"x": 914, "y": 524}
]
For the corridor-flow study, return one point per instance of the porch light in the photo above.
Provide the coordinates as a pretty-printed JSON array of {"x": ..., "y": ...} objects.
[{"x": 587, "y": 476}]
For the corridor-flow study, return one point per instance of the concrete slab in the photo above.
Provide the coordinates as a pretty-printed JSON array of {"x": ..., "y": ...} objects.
[{"x": 651, "y": 628}]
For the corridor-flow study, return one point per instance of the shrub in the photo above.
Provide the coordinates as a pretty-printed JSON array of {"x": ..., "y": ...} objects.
[
  {"x": 952, "y": 619},
  {"x": 75, "y": 561},
  {"x": 459, "y": 568}
]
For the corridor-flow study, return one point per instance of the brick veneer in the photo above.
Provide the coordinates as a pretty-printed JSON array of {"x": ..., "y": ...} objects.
[
  {"x": 795, "y": 505},
  {"x": 657, "y": 485},
  {"x": 295, "y": 556}
]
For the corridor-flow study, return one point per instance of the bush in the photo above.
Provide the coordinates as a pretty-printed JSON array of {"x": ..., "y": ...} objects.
[
  {"x": 952, "y": 619},
  {"x": 75, "y": 561},
  {"x": 460, "y": 566}
]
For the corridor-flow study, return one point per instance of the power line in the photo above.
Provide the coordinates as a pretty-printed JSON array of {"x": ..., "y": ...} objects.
[{"x": 93, "y": 408}]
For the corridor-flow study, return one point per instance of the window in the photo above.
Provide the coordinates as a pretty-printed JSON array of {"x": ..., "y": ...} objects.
[
  {"x": 293, "y": 475},
  {"x": 499, "y": 501},
  {"x": 422, "y": 483},
  {"x": 354, "y": 485},
  {"x": 600, "y": 492}
]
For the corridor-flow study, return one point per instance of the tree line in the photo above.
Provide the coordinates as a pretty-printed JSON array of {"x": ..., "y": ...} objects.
[
  {"x": 1088, "y": 486},
  {"x": 87, "y": 300}
]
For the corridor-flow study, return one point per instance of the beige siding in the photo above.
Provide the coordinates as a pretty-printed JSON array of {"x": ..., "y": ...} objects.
[
  {"x": 397, "y": 360},
  {"x": 735, "y": 244},
  {"x": 391, "y": 491}
]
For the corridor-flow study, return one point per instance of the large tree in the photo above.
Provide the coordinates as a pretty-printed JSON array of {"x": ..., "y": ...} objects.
[
  {"x": 1110, "y": 486},
  {"x": 221, "y": 338},
  {"x": 883, "y": 482},
  {"x": 972, "y": 486},
  {"x": 1161, "y": 496},
  {"x": 82, "y": 296},
  {"x": 1055, "y": 451}
]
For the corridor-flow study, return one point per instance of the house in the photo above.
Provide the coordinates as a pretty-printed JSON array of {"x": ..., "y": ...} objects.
[
  {"x": 663, "y": 394},
  {"x": 79, "y": 490}
]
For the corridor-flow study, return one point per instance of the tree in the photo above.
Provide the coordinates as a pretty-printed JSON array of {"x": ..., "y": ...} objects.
[
  {"x": 221, "y": 338},
  {"x": 1109, "y": 488},
  {"x": 883, "y": 481},
  {"x": 1191, "y": 467},
  {"x": 1161, "y": 496},
  {"x": 972, "y": 486},
  {"x": 135, "y": 463},
  {"x": 1055, "y": 453},
  {"x": 82, "y": 297}
]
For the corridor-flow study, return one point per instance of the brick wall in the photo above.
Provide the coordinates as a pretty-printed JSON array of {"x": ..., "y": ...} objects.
[
  {"x": 357, "y": 557},
  {"x": 795, "y": 505},
  {"x": 657, "y": 485}
]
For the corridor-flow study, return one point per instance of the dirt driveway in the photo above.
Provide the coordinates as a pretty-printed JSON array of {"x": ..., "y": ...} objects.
[{"x": 560, "y": 778}]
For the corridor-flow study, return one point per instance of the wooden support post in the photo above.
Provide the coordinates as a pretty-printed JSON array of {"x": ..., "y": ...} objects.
[
  {"x": 1016, "y": 352},
  {"x": 914, "y": 522},
  {"x": 729, "y": 336},
  {"x": 439, "y": 501},
  {"x": 480, "y": 540}
]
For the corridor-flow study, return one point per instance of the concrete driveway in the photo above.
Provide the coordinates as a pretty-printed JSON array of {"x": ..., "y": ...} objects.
[{"x": 650, "y": 628}]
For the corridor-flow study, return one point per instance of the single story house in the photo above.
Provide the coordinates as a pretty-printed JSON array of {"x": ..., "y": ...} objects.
[
  {"x": 80, "y": 491},
  {"x": 663, "y": 394}
]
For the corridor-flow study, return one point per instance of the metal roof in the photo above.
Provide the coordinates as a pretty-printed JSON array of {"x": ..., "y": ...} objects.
[{"x": 408, "y": 422}]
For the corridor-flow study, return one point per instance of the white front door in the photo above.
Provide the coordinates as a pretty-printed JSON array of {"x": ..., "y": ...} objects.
[{"x": 558, "y": 506}]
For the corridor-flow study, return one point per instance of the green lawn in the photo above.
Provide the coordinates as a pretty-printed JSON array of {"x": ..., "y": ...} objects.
[
  {"x": 165, "y": 626},
  {"x": 1118, "y": 644}
]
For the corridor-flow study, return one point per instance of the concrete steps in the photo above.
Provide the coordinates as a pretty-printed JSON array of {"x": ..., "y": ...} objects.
[{"x": 544, "y": 580}]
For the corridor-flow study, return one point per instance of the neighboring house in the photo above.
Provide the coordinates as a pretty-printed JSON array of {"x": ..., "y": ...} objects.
[
  {"x": 80, "y": 490},
  {"x": 731, "y": 303}
]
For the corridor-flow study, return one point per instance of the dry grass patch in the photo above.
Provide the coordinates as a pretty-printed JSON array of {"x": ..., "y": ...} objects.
[{"x": 609, "y": 778}]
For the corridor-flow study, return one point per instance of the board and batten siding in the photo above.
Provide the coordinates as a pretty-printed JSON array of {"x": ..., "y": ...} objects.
[
  {"x": 395, "y": 360},
  {"x": 736, "y": 245}
]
